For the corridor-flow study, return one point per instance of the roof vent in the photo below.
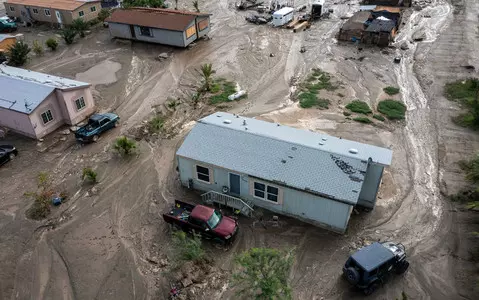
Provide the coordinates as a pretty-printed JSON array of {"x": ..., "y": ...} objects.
[
  {"x": 227, "y": 121},
  {"x": 219, "y": 116},
  {"x": 283, "y": 161},
  {"x": 353, "y": 151},
  {"x": 293, "y": 148},
  {"x": 321, "y": 143},
  {"x": 324, "y": 139}
]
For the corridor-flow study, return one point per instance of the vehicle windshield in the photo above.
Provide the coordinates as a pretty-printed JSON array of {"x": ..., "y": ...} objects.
[{"x": 214, "y": 220}]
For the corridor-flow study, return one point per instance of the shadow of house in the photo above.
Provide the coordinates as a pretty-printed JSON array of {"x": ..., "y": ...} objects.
[
  {"x": 353, "y": 29},
  {"x": 404, "y": 3},
  {"x": 380, "y": 32}
]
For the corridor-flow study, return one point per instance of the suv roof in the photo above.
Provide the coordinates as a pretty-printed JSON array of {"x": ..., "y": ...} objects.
[{"x": 372, "y": 256}]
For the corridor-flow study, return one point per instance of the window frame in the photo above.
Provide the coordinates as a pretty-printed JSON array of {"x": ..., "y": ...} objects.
[
  {"x": 209, "y": 174},
  {"x": 93, "y": 9},
  {"x": 46, "y": 115},
  {"x": 266, "y": 193},
  {"x": 49, "y": 13},
  {"x": 12, "y": 8},
  {"x": 81, "y": 13},
  {"x": 82, "y": 100},
  {"x": 150, "y": 32},
  {"x": 35, "y": 11}
]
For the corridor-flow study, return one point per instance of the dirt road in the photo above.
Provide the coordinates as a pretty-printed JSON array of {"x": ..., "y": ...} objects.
[{"x": 99, "y": 243}]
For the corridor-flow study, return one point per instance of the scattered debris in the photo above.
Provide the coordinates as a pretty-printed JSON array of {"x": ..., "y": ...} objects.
[
  {"x": 236, "y": 95},
  {"x": 271, "y": 55},
  {"x": 65, "y": 132},
  {"x": 469, "y": 67},
  {"x": 397, "y": 59},
  {"x": 256, "y": 19},
  {"x": 419, "y": 35},
  {"x": 302, "y": 50},
  {"x": 162, "y": 56},
  {"x": 404, "y": 46}
]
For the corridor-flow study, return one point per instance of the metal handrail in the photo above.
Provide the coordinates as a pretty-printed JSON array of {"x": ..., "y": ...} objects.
[{"x": 212, "y": 195}]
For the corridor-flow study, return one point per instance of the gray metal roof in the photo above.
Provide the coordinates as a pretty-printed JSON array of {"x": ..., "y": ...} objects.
[
  {"x": 23, "y": 90},
  {"x": 372, "y": 256},
  {"x": 282, "y": 154}
]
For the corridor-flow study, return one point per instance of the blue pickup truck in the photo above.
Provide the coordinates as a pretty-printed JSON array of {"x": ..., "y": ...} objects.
[{"x": 97, "y": 124}]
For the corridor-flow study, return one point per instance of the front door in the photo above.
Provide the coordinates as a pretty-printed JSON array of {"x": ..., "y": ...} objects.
[{"x": 235, "y": 185}]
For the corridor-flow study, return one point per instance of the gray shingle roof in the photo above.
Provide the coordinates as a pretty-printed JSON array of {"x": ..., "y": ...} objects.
[
  {"x": 283, "y": 154},
  {"x": 23, "y": 90}
]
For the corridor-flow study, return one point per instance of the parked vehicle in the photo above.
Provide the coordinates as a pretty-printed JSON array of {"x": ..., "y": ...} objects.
[
  {"x": 371, "y": 266},
  {"x": 6, "y": 25},
  {"x": 207, "y": 221},
  {"x": 97, "y": 124},
  {"x": 7, "y": 153}
]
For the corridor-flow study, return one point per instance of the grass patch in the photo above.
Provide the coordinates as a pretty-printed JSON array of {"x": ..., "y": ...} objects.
[
  {"x": 462, "y": 90},
  {"x": 156, "y": 124},
  {"x": 308, "y": 100},
  {"x": 392, "y": 109},
  {"x": 365, "y": 120},
  {"x": 379, "y": 117},
  {"x": 319, "y": 80},
  {"x": 359, "y": 106},
  {"x": 222, "y": 89},
  {"x": 390, "y": 90}
]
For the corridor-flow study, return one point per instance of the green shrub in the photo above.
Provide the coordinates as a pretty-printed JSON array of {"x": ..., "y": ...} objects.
[
  {"x": 226, "y": 88},
  {"x": 187, "y": 248},
  {"x": 379, "y": 117},
  {"x": 80, "y": 26},
  {"x": 462, "y": 90},
  {"x": 156, "y": 124},
  {"x": 89, "y": 174},
  {"x": 52, "y": 43},
  {"x": 18, "y": 53},
  {"x": 392, "y": 109},
  {"x": 124, "y": 145},
  {"x": 42, "y": 198},
  {"x": 390, "y": 90},
  {"x": 365, "y": 120},
  {"x": 307, "y": 100},
  {"x": 103, "y": 14},
  {"x": 37, "y": 48},
  {"x": 358, "y": 106},
  {"x": 68, "y": 35}
]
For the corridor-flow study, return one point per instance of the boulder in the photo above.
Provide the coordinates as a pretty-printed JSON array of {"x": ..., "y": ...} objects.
[
  {"x": 404, "y": 46},
  {"x": 162, "y": 56}
]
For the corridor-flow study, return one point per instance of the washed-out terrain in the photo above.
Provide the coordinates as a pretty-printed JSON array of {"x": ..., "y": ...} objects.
[{"x": 100, "y": 243}]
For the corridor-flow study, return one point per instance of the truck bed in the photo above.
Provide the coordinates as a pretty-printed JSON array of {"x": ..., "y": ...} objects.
[{"x": 180, "y": 211}]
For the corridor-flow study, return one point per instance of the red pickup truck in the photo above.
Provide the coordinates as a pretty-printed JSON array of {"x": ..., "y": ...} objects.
[{"x": 202, "y": 219}]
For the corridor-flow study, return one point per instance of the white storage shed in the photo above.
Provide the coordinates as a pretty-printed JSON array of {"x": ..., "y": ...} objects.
[{"x": 283, "y": 16}]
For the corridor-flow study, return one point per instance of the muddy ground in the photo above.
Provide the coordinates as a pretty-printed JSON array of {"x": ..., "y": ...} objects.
[{"x": 100, "y": 244}]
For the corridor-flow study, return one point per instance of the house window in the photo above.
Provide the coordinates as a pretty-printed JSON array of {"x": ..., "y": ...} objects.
[
  {"x": 202, "y": 25},
  {"x": 93, "y": 8},
  {"x": 12, "y": 8},
  {"x": 203, "y": 174},
  {"x": 80, "y": 103},
  {"x": 146, "y": 31},
  {"x": 47, "y": 12},
  {"x": 266, "y": 192},
  {"x": 190, "y": 31},
  {"x": 81, "y": 13},
  {"x": 47, "y": 116},
  {"x": 35, "y": 11}
]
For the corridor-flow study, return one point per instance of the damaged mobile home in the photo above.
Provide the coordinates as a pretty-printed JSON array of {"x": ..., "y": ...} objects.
[{"x": 306, "y": 175}]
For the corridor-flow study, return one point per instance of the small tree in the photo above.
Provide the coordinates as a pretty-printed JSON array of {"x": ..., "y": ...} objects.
[
  {"x": 195, "y": 5},
  {"x": 18, "y": 53},
  {"x": 80, "y": 26},
  {"x": 68, "y": 35},
  {"x": 263, "y": 273},
  {"x": 42, "y": 197},
  {"x": 89, "y": 174},
  {"x": 37, "y": 48},
  {"x": 124, "y": 145},
  {"x": 103, "y": 14},
  {"x": 52, "y": 43},
  {"x": 207, "y": 72},
  {"x": 187, "y": 248}
]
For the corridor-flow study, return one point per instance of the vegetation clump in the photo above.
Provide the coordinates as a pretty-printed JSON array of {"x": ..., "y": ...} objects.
[
  {"x": 69, "y": 35},
  {"x": 124, "y": 145},
  {"x": 187, "y": 248},
  {"x": 52, "y": 43},
  {"x": 467, "y": 93},
  {"x": 365, "y": 120},
  {"x": 80, "y": 26},
  {"x": 42, "y": 198},
  {"x": 103, "y": 14},
  {"x": 392, "y": 109},
  {"x": 390, "y": 90},
  {"x": 379, "y": 117},
  {"x": 359, "y": 106},
  {"x": 89, "y": 175},
  {"x": 156, "y": 124},
  {"x": 263, "y": 273},
  {"x": 308, "y": 100},
  {"x": 37, "y": 48},
  {"x": 18, "y": 53}
]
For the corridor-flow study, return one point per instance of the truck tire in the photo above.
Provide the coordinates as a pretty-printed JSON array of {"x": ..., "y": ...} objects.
[
  {"x": 95, "y": 138},
  {"x": 371, "y": 288},
  {"x": 352, "y": 275},
  {"x": 402, "y": 267}
]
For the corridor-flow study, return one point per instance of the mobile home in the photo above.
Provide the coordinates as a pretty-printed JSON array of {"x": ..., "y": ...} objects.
[{"x": 283, "y": 16}]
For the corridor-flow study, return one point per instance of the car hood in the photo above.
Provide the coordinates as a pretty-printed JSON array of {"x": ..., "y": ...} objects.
[
  {"x": 82, "y": 131},
  {"x": 7, "y": 148},
  {"x": 226, "y": 226}
]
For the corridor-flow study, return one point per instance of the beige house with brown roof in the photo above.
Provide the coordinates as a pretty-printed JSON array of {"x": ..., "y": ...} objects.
[{"x": 58, "y": 12}]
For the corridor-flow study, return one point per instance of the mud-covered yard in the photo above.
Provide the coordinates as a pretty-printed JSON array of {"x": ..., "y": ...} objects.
[{"x": 105, "y": 242}]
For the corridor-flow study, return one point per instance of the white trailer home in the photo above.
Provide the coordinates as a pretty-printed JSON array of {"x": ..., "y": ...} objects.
[{"x": 283, "y": 16}]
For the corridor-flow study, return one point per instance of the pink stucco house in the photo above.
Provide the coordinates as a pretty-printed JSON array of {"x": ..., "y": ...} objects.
[{"x": 35, "y": 104}]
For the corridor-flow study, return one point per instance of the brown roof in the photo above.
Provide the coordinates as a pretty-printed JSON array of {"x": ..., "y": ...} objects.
[
  {"x": 174, "y": 11},
  {"x": 55, "y": 4},
  {"x": 394, "y": 10},
  {"x": 357, "y": 21},
  {"x": 155, "y": 18}
]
